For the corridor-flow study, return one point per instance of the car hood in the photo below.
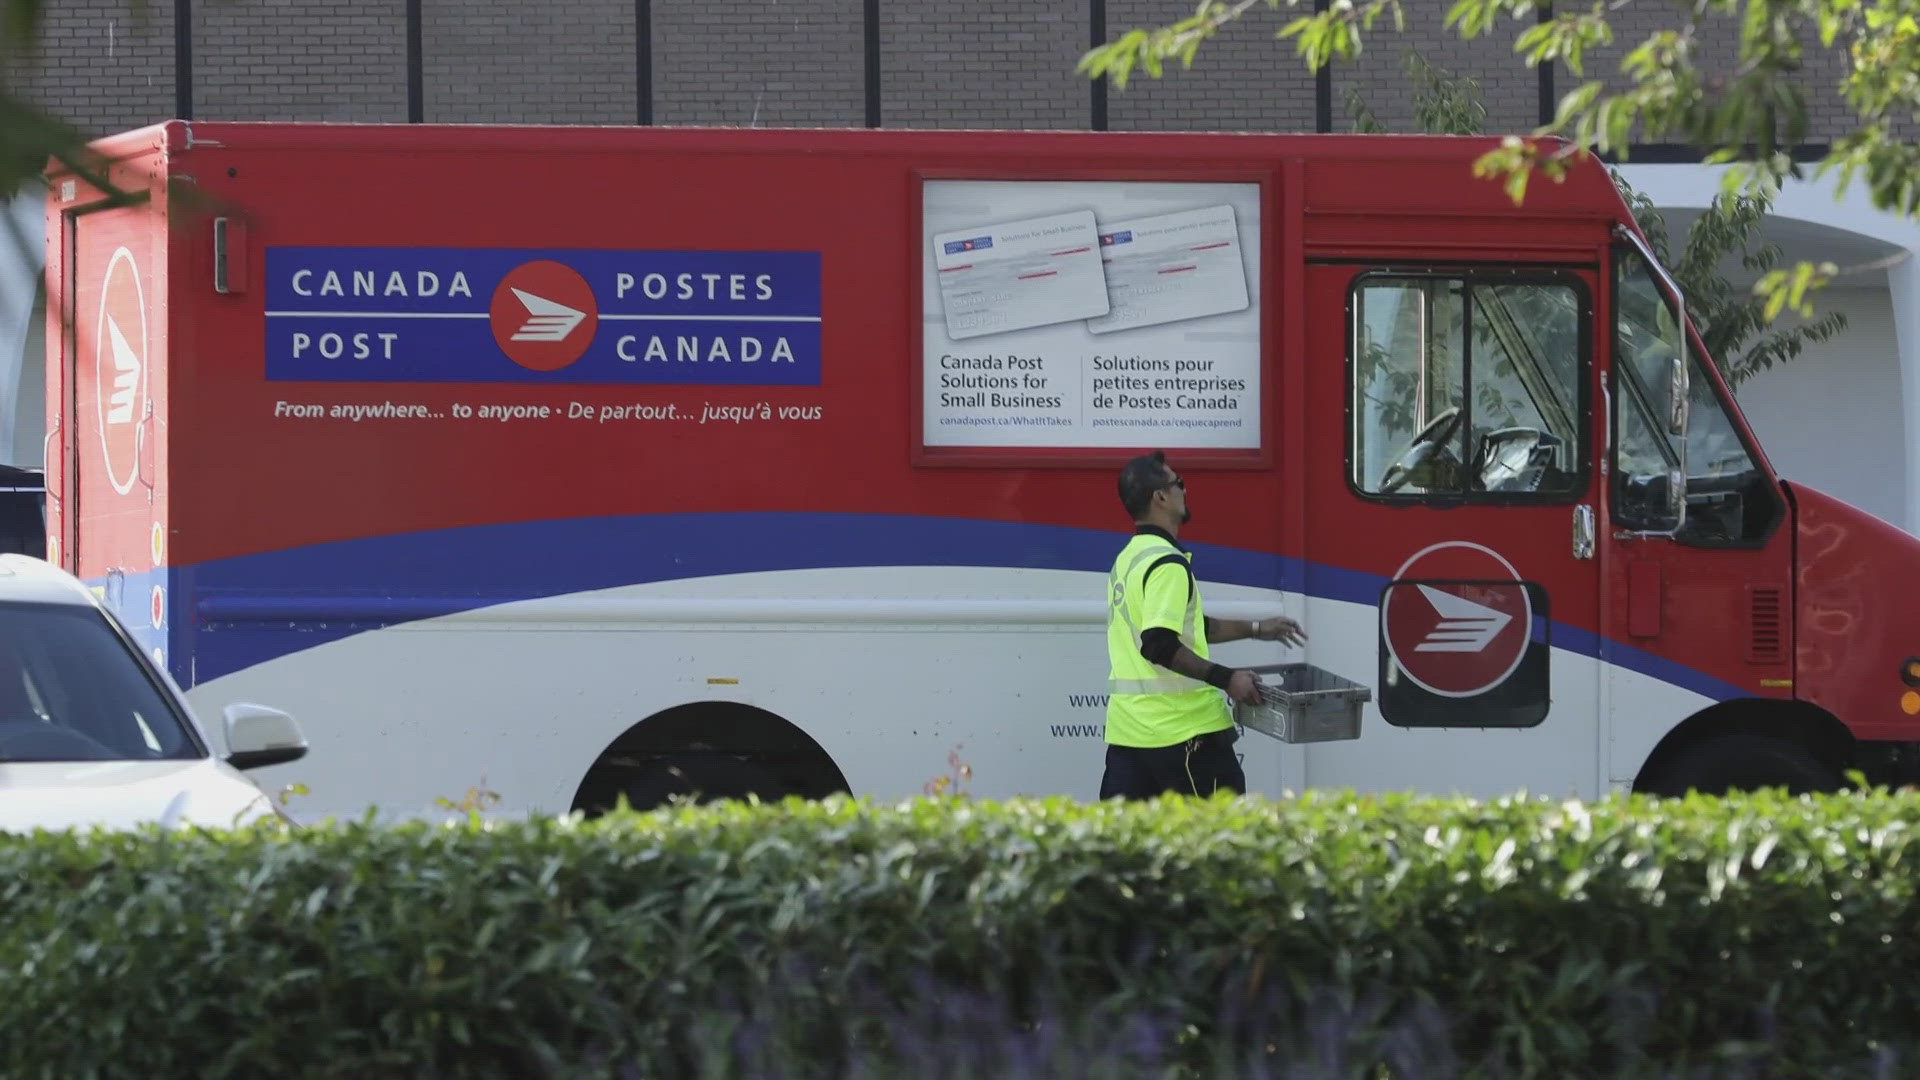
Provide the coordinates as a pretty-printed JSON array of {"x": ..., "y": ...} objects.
[{"x": 126, "y": 794}]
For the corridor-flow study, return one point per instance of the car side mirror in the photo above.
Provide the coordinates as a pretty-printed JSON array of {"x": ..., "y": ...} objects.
[{"x": 258, "y": 736}]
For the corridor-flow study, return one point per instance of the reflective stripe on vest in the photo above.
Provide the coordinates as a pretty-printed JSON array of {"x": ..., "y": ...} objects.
[
  {"x": 1166, "y": 682},
  {"x": 1171, "y": 684},
  {"x": 1118, "y": 598}
]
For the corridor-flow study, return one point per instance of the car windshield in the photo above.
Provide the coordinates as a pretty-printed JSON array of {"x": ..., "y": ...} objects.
[{"x": 70, "y": 690}]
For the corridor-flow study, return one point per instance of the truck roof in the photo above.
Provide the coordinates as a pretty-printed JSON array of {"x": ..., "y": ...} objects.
[
  {"x": 176, "y": 136},
  {"x": 1585, "y": 188}
]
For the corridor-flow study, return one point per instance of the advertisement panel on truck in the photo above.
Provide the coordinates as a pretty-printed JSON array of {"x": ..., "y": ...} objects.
[{"x": 1091, "y": 314}]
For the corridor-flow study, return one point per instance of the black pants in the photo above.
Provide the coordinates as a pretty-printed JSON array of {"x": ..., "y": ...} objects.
[{"x": 1199, "y": 766}]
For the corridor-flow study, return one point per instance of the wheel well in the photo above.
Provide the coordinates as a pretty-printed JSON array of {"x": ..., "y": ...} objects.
[
  {"x": 1796, "y": 722},
  {"x": 718, "y": 732}
]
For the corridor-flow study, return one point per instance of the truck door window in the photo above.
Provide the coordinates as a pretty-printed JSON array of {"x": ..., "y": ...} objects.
[
  {"x": 1645, "y": 341},
  {"x": 1468, "y": 388},
  {"x": 1730, "y": 500}
]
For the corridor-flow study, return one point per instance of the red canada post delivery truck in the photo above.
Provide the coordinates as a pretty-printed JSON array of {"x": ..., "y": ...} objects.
[{"x": 577, "y": 462}]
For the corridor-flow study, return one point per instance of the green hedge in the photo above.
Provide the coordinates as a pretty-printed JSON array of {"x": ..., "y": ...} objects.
[{"x": 1325, "y": 936}]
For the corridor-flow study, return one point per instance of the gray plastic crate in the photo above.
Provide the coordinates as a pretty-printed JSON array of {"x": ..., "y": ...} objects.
[{"x": 1301, "y": 703}]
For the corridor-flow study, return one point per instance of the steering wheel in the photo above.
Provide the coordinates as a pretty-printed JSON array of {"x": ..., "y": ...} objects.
[{"x": 1423, "y": 447}]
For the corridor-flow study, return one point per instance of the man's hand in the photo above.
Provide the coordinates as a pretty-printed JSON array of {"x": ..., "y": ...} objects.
[
  {"x": 1244, "y": 687},
  {"x": 1281, "y": 629}
]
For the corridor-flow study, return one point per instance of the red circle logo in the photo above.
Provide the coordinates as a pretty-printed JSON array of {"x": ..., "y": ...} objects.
[
  {"x": 120, "y": 369},
  {"x": 544, "y": 315},
  {"x": 1457, "y": 619},
  {"x": 159, "y": 607}
]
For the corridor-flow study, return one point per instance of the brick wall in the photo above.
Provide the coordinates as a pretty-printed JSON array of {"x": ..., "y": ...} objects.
[
  {"x": 982, "y": 64},
  {"x": 792, "y": 63},
  {"x": 1508, "y": 86},
  {"x": 1242, "y": 80},
  {"x": 509, "y": 61},
  {"x": 100, "y": 66},
  {"x": 299, "y": 59},
  {"x": 1828, "y": 116}
]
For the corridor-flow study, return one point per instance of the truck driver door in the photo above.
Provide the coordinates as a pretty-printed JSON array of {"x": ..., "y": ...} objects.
[{"x": 1450, "y": 529}]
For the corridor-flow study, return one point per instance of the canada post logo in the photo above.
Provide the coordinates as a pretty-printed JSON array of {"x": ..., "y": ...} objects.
[
  {"x": 1463, "y": 641},
  {"x": 543, "y": 315},
  {"x": 514, "y": 315},
  {"x": 120, "y": 368}
]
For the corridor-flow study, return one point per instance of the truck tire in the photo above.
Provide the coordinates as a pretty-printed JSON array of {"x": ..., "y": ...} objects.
[
  {"x": 1726, "y": 763},
  {"x": 702, "y": 778}
]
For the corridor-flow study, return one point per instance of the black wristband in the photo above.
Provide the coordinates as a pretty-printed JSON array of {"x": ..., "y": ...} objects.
[{"x": 1219, "y": 675}]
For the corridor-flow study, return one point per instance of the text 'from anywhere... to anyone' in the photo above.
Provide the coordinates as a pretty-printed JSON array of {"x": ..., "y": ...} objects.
[{"x": 385, "y": 410}]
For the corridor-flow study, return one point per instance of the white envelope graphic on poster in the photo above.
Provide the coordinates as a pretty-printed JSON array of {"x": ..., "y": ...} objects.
[
  {"x": 1020, "y": 274},
  {"x": 1171, "y": 267}
]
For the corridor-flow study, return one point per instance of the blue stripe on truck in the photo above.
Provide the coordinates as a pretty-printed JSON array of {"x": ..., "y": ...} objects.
[{"x": 256, "y": 608}]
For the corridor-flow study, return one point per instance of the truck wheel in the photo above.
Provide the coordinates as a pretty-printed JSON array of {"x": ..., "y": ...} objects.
[
  {"x": 1743, "y": 763},
  {"x": 702, "y": 778}
]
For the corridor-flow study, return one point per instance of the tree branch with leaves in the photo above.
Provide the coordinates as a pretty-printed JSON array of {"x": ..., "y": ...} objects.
[
  {"x": 1736, "y": 325},
  {"x": 1750, "y": 117}
]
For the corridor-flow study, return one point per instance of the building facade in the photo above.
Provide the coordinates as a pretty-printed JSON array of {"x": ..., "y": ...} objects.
[{"x": 109, "y": 65}]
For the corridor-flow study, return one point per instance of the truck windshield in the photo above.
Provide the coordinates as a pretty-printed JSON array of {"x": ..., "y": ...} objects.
[
  {"x": 70, "y": 690},
  {"x": 1729, "y": 499}
]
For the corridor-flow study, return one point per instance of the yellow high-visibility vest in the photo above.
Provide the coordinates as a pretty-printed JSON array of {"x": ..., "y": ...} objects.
[{"x": 1148, "y": 705}]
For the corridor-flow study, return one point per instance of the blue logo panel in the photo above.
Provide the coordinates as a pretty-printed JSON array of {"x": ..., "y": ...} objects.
[{"x": 745, "y": 318}]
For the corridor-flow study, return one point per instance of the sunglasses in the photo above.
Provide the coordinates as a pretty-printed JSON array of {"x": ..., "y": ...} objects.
[{"x": 1178, "y": 481}]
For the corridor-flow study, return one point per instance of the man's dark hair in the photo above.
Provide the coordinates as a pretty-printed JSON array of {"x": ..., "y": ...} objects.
[{"x": 1139, "y": 479}]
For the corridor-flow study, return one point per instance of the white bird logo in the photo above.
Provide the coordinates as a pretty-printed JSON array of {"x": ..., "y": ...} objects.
[
  {"x": 1465, "y": 626},
  {"x": 547, "y": 320},
  {"x": 126, "y": 375}
]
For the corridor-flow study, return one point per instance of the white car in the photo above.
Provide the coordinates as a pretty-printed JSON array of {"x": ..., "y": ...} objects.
[{"x": 93, "y": 732}]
